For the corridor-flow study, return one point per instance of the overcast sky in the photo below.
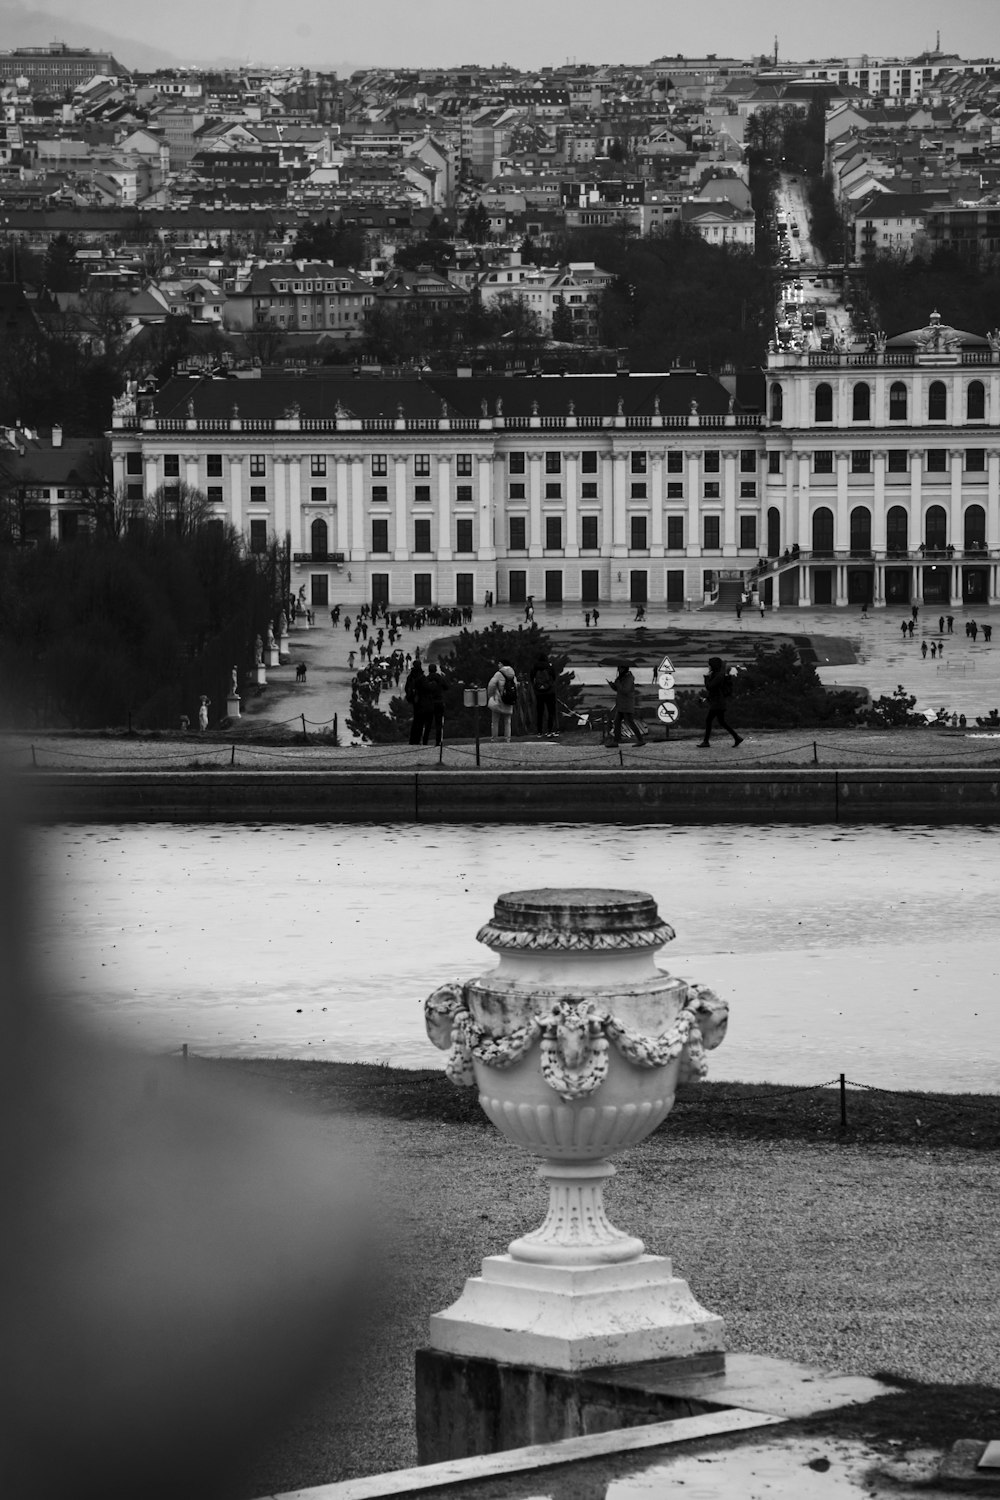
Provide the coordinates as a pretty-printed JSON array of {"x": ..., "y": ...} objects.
[{"x": 536, "y": 33}]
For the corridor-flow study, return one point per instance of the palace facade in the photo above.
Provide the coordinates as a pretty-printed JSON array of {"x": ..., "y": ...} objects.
[{"x": 868, "y": 478}]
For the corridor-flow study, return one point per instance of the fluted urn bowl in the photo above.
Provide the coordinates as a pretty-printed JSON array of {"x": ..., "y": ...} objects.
[{"x": 577, "y": 1040}]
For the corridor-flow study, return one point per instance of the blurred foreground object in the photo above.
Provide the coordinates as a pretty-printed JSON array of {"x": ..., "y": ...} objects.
[{"x": 178, "y": 1260}]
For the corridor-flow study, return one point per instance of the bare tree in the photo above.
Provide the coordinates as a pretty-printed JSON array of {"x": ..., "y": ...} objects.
[
  {"x": 179, "y": 508},
  {"x": 264, "y": 339}
]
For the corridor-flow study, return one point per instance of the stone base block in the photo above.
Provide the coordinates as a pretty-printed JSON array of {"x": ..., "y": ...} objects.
[
  {"x": 273, "y": 657},
  {"x": 261, "y": 675},
  {"x": 576, "y": 1318},
  {"x": 233, "y": 706}
]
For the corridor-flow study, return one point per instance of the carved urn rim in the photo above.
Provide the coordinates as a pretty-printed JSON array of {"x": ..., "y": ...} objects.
[{"x": 572, "y": 919}]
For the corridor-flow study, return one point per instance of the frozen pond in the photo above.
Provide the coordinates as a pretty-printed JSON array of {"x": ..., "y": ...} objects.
[{"x": 870, "y": 951}]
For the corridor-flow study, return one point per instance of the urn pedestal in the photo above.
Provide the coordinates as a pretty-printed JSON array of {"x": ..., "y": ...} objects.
[
  {"x": 233, "y": 705},
  {"x": 576, "y": 1043}
]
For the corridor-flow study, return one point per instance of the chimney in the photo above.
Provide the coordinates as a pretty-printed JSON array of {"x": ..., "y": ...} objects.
[{"x": 57, "y": 437}]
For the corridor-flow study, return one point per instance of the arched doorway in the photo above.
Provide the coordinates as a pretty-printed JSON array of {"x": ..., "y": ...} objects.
[
  {"x": 773, "y": 531},
  {"x": 936, "y": 529},
  {"x": 822, "y": 531},
  {"x": 319, "y": 539},
  {"x": 861, "y": 531}
]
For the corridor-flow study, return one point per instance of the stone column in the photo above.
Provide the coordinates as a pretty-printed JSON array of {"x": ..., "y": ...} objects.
[
  {"x": 293, "y": 466},
  {"x": 152, "y": 480},
  {"x": 878, "y": 527},
  {"x": 956, "y": 527},
  {"x": 804, "y": 530},
  {"x": 730, "y": 480},
  {"x": 342, "y": 496},
  {"x": 534, "y": 506},
  {"x": 692, "y": 484},
  {"x": 190, "y": 462},
  {"x": 486, "y": 552},
  {"x": 571, "y": 541},
  {"x": 993, "y": 498},
  {"x": 280, "y": 494},
  {"x": 359, "y": 541},
  {"x": 841, "y": 521},
  {"x": 619, "y": 483},
  {"x": 398, "y": 543},
  {"x": 916, "y": 526},
  {"x": 657, "y": 465},
  {"x": 236, "y": 515},
  {"x": 444, "y": 547}
]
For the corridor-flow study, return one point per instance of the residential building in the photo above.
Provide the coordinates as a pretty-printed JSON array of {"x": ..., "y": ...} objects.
[{"x": 299, "y": 297}]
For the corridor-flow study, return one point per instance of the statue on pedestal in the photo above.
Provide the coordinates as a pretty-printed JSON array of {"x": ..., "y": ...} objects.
[
  {"x": 258, "y": 652},
  {"x": 271, "y": 642}
]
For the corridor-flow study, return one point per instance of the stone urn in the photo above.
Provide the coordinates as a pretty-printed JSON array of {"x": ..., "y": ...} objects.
[{"x": 576, "y": 1042}]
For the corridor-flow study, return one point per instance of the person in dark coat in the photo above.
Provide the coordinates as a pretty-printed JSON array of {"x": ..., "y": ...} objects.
[
  {"x": 411, "y": 692},
  {"x": 718, "y": 686},
  {"x": 625, "y": 705},
  {"x": 431, "y": 697},
  {"x": 543, "y": 682}
]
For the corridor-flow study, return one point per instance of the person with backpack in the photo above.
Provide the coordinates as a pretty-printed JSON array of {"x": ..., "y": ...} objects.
[
  {"x": 501, "y": 696},
  {"x": 624, "y": 686},
  {"x": 543, "y": 682},
  {"x": 718, "y": 691},
  {"x": 411, "y": 692}
]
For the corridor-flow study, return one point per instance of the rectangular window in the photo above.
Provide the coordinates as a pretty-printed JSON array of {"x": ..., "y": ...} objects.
[
  {"x": 517, "y": 531},
  {"x": 516, "y": 491},
  {"x": 712, "y": 461},
  {"x": 380, "y": 535},
  {"x": 422, "y": 589},
  {"x": 380, "y": 464},
  {"x": 515, "y": 463},
  {"x": 774, "y": 463},
  {"x": 133, "y": 463},
  {"x": 517, "y": 586},
  {"x": 748, "y": 533},
  {"x": 823, "y": 461},
  {"x": 421, "y": 494},
  {"x": 937, "y": 460},
  {"x": 675, "y": 586},
  {"x": 675, "y": 489},
  {"x": 133, "y": 492},
  {"x": 675, "y": 462},
  {"x": 317, "y": 494},
  {"x": 380, "y": 494},
  {"x": 258, "y": 494},
  {"x": 748, "y": 489},
  {"x": 258, "y": 536},
  {"x": 638, "y": 462},
  {"x": 463, "y": 465},
  {"x": 422, "y": 465},
  {"x": 748, "y": 461},
  {"x": 463, "y": 535},
  {"x": 553, "y": 492},
  {"x": 675, "y": 533},
  {"x": 711, "y": 489},
  {"x": 317, "y": 466},
  {"x": 588, "y": 533},
  {"x": 861, "y": 461},
  {"x": 711, "y": 533},
  {"x": 975, "y": 460},
  {"x": 172, "y": 466},
  {"x": 553, "y": 533},
  {"x": 213, "y": 465},
  {"x": 637, "y": 533},
  {"x": 258, "y": 465},
  {"x": 588, "y": 490},
  {"x": 639, "y": 491},
  {"x": 463, "y": 494},
  {"x": 898, "y": 461},
  {"x": 553, "y": 463},
  {"x": 465, "y": 588},
  {"x": 588, "y": 462},
  {"x": 422, "y": 535},
  {"x": 213, "y": 492}
]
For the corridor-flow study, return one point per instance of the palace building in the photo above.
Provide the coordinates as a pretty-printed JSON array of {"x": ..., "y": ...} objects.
[{"x": 868, "y": 478}]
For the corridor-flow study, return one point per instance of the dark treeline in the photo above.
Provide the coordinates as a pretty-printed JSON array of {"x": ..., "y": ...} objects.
[
  {"x": 101, "y": 629},
  {"x": 903, "y": 294}
]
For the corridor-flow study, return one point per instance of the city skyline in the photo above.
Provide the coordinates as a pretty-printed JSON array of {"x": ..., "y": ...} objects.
[{"x": 527, "y": 34}]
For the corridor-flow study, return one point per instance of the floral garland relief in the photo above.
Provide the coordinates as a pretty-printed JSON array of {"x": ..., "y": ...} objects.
[{"x": 574, "y": 1039}]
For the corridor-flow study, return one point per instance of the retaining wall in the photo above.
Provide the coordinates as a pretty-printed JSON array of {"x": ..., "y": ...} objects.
[{"x": 458, "y": 796}]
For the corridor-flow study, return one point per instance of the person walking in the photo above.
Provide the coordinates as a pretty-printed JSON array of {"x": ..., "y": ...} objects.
[
  {"x": 973, "y": 631},
  {"x": 951, "y": 624},
  {"x": 625, "y": 705},
  {"x": 923, "y": 649},
  {"x": 718, "y": 690},
  {"x": 914, "y": 612},
  {"x": 597, "y": 616},
  {"x": 941, "y": 625},
  {"x": 411, "y": 692},
  {"x": 501, "y": 696},
  {"x": 987, "y": 633},
  {"x": 430, "y": 691},
  {"x": 543, "y": 682}
]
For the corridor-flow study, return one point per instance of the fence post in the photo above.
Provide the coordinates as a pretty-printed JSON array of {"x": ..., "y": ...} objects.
[
  {"x": 305, "y": 738},
  {"x": 815, "y": 755},
  {"x": 232, "y": 756},
  {"x": 843, "y": 1102},
  {"x": 184, "y": 1051},
  {"x": 336, "y": 731},
  {"x": 34, "y": 758}
]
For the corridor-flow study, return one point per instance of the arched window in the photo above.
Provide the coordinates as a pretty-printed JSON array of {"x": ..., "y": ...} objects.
[
  {"x": 823, "y": 411},
  {"x": 936, "y": 529},
  {"x": 777, "y": 402},
  {"x": 896, "y": 529},
  {"x": 861, "y": 404},
  {"x": 773, "y": 531},
  {"x": 318, "y": 534},
  {"x": 823, "y": 530},
  {"x": 937, "y": 402},
  {"x": 898, "y": 401},
  {"x": 975, "y": 528},
  {"x": 975, "y": 401},
  {"x": 861, "y": 530}
]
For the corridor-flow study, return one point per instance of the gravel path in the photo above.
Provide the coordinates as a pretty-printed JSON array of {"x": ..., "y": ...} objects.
[{"x": 856, "y": 1259}]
